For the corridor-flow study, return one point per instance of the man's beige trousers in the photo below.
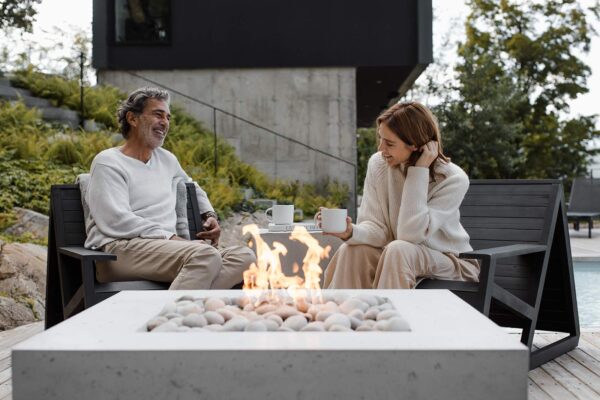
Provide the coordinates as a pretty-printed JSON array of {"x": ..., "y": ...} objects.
[{"x": 187, "y": 264}]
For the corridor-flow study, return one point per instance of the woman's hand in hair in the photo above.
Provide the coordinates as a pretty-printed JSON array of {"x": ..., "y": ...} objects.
[{"x": 429, "y": 152}]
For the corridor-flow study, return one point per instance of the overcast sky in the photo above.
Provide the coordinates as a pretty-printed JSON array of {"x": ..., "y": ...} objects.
[{"x": 448, "y": 13}]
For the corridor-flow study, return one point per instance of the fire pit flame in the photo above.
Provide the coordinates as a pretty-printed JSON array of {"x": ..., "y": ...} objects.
[{"x": 266, "y": 273}]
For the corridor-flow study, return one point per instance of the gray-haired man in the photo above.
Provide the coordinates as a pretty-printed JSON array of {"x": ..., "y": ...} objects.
[{"x": 132, "y": 199}]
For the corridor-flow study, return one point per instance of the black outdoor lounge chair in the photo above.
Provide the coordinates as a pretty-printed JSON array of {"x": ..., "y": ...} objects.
[
  {"x": 520, "y": 235},
  {"x": 71, "y": 284},
  {"x": 584, "y": 202}
]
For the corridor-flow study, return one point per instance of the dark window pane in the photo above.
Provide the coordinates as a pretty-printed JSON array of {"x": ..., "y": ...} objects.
[{"x": 142, "y": 21}]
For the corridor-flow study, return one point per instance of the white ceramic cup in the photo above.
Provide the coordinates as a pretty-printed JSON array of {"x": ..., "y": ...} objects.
[
  {"x": 281, "y": 214},
  {"x": 333, "y": 220}
]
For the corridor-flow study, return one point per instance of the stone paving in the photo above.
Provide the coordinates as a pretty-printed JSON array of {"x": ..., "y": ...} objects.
[{"x": 584, "y": 248}]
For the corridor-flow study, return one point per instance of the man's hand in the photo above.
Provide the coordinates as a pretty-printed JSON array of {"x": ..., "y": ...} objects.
[
  {"x": 212, "y": 232},
  {"x": 175, "y": 237}
]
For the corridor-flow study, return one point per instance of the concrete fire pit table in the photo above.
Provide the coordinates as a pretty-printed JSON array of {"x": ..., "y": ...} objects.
[{"x": 451, "y": 352}]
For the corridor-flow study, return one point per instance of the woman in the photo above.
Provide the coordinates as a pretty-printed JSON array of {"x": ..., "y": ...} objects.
[{"x": 408, "y": 223}]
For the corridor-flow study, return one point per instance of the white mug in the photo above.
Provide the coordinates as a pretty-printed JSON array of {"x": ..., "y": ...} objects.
[
  {"x": 333, "y": 220},
  {"x": 281, "y": 214}
]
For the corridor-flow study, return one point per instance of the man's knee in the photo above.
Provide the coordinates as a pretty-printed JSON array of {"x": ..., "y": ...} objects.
[{"x": 207, "y": 256}]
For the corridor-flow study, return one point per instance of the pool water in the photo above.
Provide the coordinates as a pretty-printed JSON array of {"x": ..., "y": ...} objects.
[{"x": 587, "y": 286}]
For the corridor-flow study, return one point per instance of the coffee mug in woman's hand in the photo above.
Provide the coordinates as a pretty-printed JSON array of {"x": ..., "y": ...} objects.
[{"x": 334, "y": 222}]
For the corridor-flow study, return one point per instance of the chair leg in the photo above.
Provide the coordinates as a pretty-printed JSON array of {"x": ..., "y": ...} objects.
[
  {"x": 590, "y": 227},
  {"x": 576, "y": 224}
]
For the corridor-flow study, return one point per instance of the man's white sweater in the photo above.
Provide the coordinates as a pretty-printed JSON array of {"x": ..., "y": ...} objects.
[
  {"x": 129, "y": 198},
  {"x": 412, "y": 209}
]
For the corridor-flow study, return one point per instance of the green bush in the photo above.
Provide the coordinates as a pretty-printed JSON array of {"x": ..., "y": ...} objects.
[{"x": 36, "y": 154}]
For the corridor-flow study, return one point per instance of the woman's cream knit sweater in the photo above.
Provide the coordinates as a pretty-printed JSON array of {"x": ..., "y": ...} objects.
[{"x": 412, "y": 209}]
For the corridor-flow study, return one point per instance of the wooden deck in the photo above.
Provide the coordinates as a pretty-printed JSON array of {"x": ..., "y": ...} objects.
[{"x": 575, "y": 375}]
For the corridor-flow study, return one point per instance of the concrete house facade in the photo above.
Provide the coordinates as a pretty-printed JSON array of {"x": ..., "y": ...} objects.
[{"x": 309, "y": 72}]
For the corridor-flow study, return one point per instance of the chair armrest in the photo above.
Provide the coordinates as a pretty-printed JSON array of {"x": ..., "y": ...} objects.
[
  {"x": 505, "y": 251},
  {"x": 82, "y": 253}
]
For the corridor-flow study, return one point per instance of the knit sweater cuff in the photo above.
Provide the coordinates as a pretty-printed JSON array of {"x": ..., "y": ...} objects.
[{"x": 358, "y": 235}]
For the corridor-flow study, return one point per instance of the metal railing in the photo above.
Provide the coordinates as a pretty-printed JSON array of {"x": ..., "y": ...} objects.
[{"x": 216, "y": 110}]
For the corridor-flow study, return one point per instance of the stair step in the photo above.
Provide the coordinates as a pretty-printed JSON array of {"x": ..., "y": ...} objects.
[
  {"x": 61, "y": 116},
  {"x": 14, "y": 94}
]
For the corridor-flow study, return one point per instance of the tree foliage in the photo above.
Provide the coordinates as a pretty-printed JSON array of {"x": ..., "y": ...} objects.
[
  {"x": 519, "y": 68},
  {"x": 18, "y": 14}
]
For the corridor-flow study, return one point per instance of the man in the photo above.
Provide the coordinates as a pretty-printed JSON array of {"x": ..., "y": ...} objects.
[{"x": 132, "y": 196}]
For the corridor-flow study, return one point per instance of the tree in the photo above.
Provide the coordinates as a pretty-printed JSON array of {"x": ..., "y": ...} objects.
[
  {"x": 18, "y": 14},
  {"x": 519, "y": 68}
]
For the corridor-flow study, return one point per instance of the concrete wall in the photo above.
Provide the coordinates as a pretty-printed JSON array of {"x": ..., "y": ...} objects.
[{"x": 315, "y": 106}]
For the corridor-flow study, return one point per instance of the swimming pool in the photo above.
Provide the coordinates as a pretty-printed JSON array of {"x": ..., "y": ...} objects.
[{"x": 587, "y": 286}]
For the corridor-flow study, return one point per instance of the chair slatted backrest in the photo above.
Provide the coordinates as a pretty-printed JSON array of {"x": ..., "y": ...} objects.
[
  {"x": 69, "y": 222},
  {"x": 585, "y": 195},
  {"x": 504, "y": 212},
  {"x": 67, "y": 213}
]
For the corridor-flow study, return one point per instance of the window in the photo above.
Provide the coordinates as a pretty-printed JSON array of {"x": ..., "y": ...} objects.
[{"x": 142, "y": 21}]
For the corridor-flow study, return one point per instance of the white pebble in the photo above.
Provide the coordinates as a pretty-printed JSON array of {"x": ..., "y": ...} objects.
[
  {"x": 213, "y": 304},
  {"x": 286, "y": 311},
  {"x": 266, "y": 308},
  {"x": 284, "y": 329},
  {"x": 338, "y": 328},
  {"x": 331, "y": 307},
  {"x": 194, "y": 321},
  {"x": 213, "y": 317},
  {"x": 337, "y": 319},
  {"x": 355, "y": 322},
  {"x": 364, "y": 328},
  {"x": 166, "y": 327},
  {"x": 169, "y": 308},
  {"x": 339, "y": 298},
  {"x": 386, "y": 306},
  {"x": 398, "y": 324},
  {"x": 227, "y": 314},
  {"x": 244, "y": 301},
  {"x": 353, "y": 304},
  {"x": 182, "y": 329},
  {"x": 276, "y": 318},
  {"x": 323, "y": 315},
  {"x": 316, "y": 326},
  {"x": 173, "y": 315},
  {"x": 214, "y": 327},
  {"x": 235, "y": 324},
  {"x": 372, "y": 313},
  {"x": 358, "y": 314},
  {"x": 387, "y": 314},
  {"x": 186, "y": 297},
  {"x": 295, "y": 322},
  {"x": 178, "y": 320},
  {"x": 191, "y": 308},
  {"x": 382, "y": 325},
  {"x": 256, "y": 326},
  {"x": 271, "y": 324},
  {"x": 156, "y": 321},
  {"x": 370, "y": 300}
]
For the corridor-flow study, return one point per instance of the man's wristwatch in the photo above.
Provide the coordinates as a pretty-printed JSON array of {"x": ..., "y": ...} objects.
[{"x": 209, "y": 214}]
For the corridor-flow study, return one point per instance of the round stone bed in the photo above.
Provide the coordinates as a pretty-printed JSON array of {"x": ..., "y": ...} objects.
[{"x": 269, "y": 311}]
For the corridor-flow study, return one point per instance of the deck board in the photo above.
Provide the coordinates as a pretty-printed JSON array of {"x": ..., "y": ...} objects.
[{"x": 575, "y": 375}]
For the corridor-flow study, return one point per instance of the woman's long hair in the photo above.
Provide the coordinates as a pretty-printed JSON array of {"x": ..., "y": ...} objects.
[{"x": 415, "y": 125}]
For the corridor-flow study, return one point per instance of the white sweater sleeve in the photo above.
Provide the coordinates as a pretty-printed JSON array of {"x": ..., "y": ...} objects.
[
  {"x": 108, "y": 198},
  {"x": 371, "y": 228},
  {"x": 419, "y": 217}
]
